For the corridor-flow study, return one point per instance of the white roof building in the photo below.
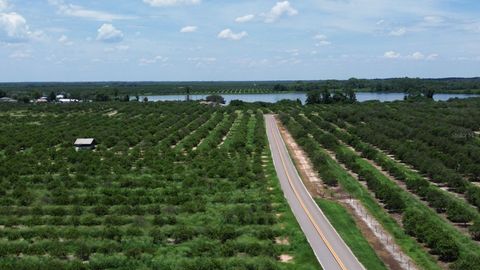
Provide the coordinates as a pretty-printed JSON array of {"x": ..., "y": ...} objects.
[
  {"x": 68, "y": 100},
  {"x": 85, "y": 143}
]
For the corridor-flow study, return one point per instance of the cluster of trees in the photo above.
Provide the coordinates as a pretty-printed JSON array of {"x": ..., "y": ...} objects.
[
  {"x": 411, "y": 86},
  {"x": 438, "y": 139},
  {"x": 324, "y": 96},
  {"x": 105, "y": 91},
  {"x": 387, "y": 193},
  {"x": 136, "y": 194},
  {"x": 441, "y": 243},
  {"x": 318, "y": 158},
  {"x": 216, "y": 136},
  {"x": 384, "y": 191},
  {"x": 443, "y": 202},
  {"x": 310, "y": 129},
  {"x": 216, "y": 99}
]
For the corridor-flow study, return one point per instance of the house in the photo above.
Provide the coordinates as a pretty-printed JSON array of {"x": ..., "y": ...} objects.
[
  {"x": 60, "y": 97},
  {"x": 42, "y": 100},
  {"x": 68, "y": 100},
  {"x": 211, "y": 103},
  {"x": 85, "y": 144},
  {"x": 7, "y": 100}
]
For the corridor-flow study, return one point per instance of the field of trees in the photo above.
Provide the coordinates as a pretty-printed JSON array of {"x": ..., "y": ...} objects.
[
  {"x": 169, "y": 186},
  {"x": 179, "y": 185},
  {"x": 413, "y": 165},
  {"x": 108, "y": 91}
]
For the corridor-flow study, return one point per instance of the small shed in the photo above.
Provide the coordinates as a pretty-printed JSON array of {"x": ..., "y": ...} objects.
[{"x": 85, "y": 144}]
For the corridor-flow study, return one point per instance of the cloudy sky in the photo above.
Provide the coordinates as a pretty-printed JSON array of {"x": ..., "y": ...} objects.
[{"x": 169, "y": 40}]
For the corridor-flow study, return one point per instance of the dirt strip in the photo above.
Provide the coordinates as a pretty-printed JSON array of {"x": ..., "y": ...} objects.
[{"x": 380, "y": 240}]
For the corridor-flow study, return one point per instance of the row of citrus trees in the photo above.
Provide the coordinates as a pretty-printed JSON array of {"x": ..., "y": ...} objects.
[
  {"x": 442, "y": 238},
  {"x": 146, "y": 198}
]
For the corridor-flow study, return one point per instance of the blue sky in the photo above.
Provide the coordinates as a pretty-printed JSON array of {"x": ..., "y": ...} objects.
[{"x": 170, "y": 40}]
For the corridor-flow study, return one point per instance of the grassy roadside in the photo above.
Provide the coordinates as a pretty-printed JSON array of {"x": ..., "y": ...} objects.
[
  {"x": 352, "y": 186},
  {"x": 345, "y": 225},
  {"x": 299, "y": 248},
  {"x": 406, "y": 243},
  {"x": 413, "y": 202}
]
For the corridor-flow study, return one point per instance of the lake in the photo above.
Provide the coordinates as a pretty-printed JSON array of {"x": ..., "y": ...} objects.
[{"x": 272, "y": 98}]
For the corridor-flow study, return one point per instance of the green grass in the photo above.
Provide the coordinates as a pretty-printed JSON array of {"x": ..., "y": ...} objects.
[
  {"x": 299, "y": 248},
  {"x": 466, "y": 242},
  {"x": 406, "y": 243},
  {"x": 343, "y": 222}
]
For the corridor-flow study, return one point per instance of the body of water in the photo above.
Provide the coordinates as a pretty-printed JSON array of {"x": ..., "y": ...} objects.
[{"x": 272, "y": 98}]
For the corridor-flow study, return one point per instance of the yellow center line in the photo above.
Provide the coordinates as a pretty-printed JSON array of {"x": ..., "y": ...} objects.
[{"x": 317, "y": 228}]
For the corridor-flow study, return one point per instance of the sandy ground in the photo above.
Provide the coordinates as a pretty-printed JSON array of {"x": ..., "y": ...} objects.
[
  {"x": 282, "y": 241},
  {"x": 285, "y": 258},
  {"x": 304, "y": 165},
  {"x": 383, "y": 236},
  {"x": 112, "y": 113}
]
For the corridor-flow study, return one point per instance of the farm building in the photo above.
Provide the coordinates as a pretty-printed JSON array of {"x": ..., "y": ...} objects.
[
  {"x": 7, "y": 100},
  {"x": 42, "y": 100},
  {"x": 85, "y": 144},
  {"x": 68, "y": 100}
]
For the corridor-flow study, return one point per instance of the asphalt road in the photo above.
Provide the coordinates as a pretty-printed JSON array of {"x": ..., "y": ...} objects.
[{"x": 329, "y": 248}]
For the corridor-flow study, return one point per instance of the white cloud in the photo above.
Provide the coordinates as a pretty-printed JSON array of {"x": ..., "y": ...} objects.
[
  {"x": 293, "y": 52},
  {"x": 65, "y": 40},
  {"x": 229, "y": 34},
  {"x": 202, "y": 59},
  {"x": 391, "y": 55},
  {"x": 3, "y": 5},
  {"x": 244, "y": 19},
  {"x": 149, "y": 61},
  {"x": 398, "y": 32},
  {"x": 20, "y": 55},
  {"x": 433, "y": 19},
  {"x": 108, "y": 33},
  {"x": 320, "y": 37},
  {"x": 14, "y": 28},
  {"x": 277, "y": 11},
  {"x": 81, "y": 12},
  {"x": 322, "y": 40},
  {"x": 165, "y": 3},
  {"x": 188, "y": 29},
  {"x": 432, "y": 57},
  {"x": 201, "y": 62},
  {"x": 417, "y": 56},
  {"x": 118, "y": 48},
  {"x": 420, "y": 56}
]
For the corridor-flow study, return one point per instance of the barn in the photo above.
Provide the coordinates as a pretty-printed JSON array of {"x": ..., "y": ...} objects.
[{"x": 85, "y": 144}]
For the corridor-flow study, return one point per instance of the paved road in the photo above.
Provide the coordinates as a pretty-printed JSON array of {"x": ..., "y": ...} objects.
[{"x": 328, "y": 246}]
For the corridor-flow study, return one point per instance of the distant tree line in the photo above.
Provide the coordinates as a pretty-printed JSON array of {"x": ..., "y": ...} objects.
[
  {"x": 414, "y": 87},
  {"x": 406, "y": 85},
  {"x": 325, "y": 96}
]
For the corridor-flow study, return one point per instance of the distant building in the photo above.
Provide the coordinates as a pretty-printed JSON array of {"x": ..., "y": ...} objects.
[
  {"x": 7, "y": 100},
  {"x": 68, "y": 100},
  {"x": 85, "y": 144},
  {"x": 42, "y": 100},
  {"x": 58, "y": 97},
  {"x": 211, "y": 103}
]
